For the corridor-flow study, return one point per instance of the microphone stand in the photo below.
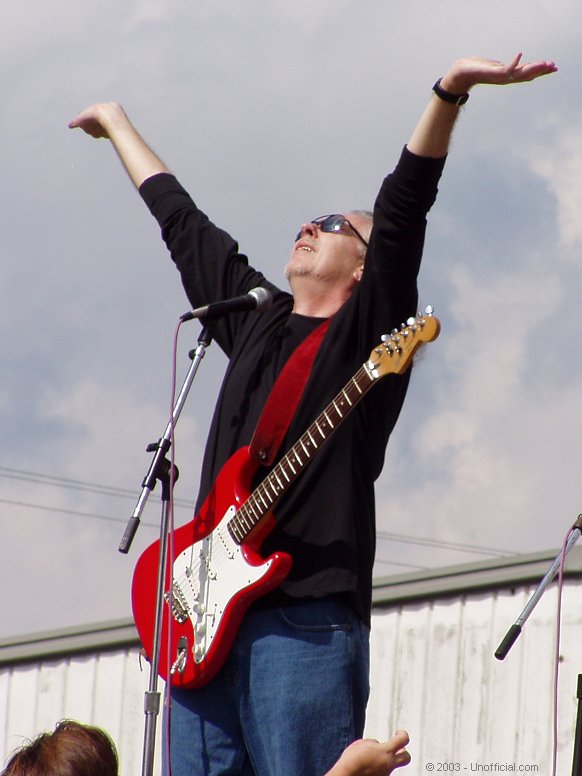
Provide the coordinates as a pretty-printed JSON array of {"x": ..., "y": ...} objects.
[
  {"x": 514, "y": 631},
  {"x": 160, "y": 469},
  {"x": 577, "y": 756}
]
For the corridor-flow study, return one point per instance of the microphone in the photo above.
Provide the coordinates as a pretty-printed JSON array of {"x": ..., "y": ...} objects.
[{"x": 257, "y": 299}]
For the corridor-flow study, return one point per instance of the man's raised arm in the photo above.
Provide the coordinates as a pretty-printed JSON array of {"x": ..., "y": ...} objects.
[
  {"x": 433, "y": 132},
  {"x": 109, "y": 120}
]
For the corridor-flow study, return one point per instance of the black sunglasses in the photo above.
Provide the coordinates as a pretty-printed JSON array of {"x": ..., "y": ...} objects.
[{"x": 333, "y": 223}]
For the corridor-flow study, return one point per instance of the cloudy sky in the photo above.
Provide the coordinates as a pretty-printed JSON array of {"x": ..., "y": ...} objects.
[{"x": 271, "y": 113}]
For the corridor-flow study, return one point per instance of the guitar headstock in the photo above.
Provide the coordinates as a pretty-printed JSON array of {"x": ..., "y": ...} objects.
[{"x": 394, "y": 354}]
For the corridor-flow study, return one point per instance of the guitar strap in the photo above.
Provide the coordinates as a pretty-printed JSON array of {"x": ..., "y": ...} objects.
[{"x": 284, "y": 398}]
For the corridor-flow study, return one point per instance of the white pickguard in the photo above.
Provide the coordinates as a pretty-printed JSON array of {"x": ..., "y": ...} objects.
[{"x": 207, "y": 575}]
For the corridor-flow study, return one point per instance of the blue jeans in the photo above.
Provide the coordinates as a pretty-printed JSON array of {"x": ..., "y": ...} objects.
[{"x": 291, "y": 696}]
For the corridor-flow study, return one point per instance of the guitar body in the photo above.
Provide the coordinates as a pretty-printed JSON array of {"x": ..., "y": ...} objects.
[{"x": 215, "y": 580}]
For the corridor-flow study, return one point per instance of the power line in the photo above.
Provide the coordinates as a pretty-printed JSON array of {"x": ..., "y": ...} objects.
[
  {"x": 67, "y": 483},
  {"x": 414, "y": 566},
  {"x": 75, "y": 512},
  {"x": 458, "y": 546}
]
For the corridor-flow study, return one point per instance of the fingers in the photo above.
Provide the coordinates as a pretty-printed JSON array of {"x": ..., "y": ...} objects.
[
  {"x": 469, "y": 71},
  {"x": 517, "y": 72},
  {"x": 515, "y": 62},
  {"x": 399, "y": 740},
  {"x": 89, "y": 122},
  {"x": 401, "y": 758},
  {"x": 396, "y": 747},
  {"x": 101, "y": 119}
]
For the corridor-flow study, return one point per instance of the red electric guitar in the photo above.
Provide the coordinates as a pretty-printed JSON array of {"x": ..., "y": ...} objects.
[{"x": 218, "y": 571}]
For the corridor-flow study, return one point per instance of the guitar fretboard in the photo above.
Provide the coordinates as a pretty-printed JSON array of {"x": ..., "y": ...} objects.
[{"x": 393, "y": 355}]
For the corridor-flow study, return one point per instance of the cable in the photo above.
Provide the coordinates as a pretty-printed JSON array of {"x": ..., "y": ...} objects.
[
  {"x": 63, "y": 482},
  {"x": 457, "y": 546},
  {"x": 414, "y": 566},
  {"x": 71, "y": 484},
  {"x": 63, "y": 511}
]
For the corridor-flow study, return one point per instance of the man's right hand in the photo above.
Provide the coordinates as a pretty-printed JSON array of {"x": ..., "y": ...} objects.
[
  {"x": 109, "y": 120},
  {"x": 95, "y": 119}
]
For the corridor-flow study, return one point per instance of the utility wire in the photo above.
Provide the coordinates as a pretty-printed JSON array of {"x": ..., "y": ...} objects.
[
  {"x": 74, "y": 512},
  {"x": 78, "y": 485},
  {"x": 458, "y": 546},
  {"x": 414, "y": 566}
]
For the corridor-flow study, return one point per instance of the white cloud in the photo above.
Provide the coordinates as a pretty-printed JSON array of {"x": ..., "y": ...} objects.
[{"x": 559, "y": 164}]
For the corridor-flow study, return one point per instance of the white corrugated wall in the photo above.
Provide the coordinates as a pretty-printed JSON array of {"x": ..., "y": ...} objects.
[{"x": 434, "y": 673}]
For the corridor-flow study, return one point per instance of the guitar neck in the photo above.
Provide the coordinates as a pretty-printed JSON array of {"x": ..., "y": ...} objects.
[
  {"x": 268, "y": 493},
  {"x": 393, "y": 355}
]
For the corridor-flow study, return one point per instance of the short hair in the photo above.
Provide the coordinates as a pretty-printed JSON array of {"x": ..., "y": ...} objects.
[
  {"x": 370, "y": 217},
  {"x": 366, "y": 213},
  {"x": 72, "y": 749}
]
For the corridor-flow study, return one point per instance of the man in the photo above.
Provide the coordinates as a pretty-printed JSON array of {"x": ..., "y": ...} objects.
[{"x": 292, "y": 694}]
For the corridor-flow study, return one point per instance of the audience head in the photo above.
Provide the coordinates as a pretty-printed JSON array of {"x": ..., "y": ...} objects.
[{"x": 72, "y": 749}]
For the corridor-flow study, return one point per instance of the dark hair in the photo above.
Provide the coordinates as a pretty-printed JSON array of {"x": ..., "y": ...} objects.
[
  {"x": 369, "y": 215},
  {"x": 72, "y": 749}
]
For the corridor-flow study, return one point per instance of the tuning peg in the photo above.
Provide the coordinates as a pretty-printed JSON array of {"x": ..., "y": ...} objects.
[{"x": 429, "y": 310}]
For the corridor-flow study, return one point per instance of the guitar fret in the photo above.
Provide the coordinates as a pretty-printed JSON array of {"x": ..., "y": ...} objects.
[
  {"x": 319, "y": 429},
  {"x": 235, "y": 526},
  {"x": 244, "y": 520},
  {"x": 272, "y": 484},
  {"x": 305, "y": 450},
  {"x": 337, "y": 409},
  {"x": 252, "y": 505},
  {"x": 233, "y": 529},
  {"x": 276, "y": 476},
  {"x": 261, "y": 495},
  {"x": 291, "y": 465},
  {"x": 244, "y": 523},
  {"x": 347, "y": 397},
  {"x": 268, "y": 495},
  {"x": 313, "y": 442},
  {"x": 327, "y": 418}
]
